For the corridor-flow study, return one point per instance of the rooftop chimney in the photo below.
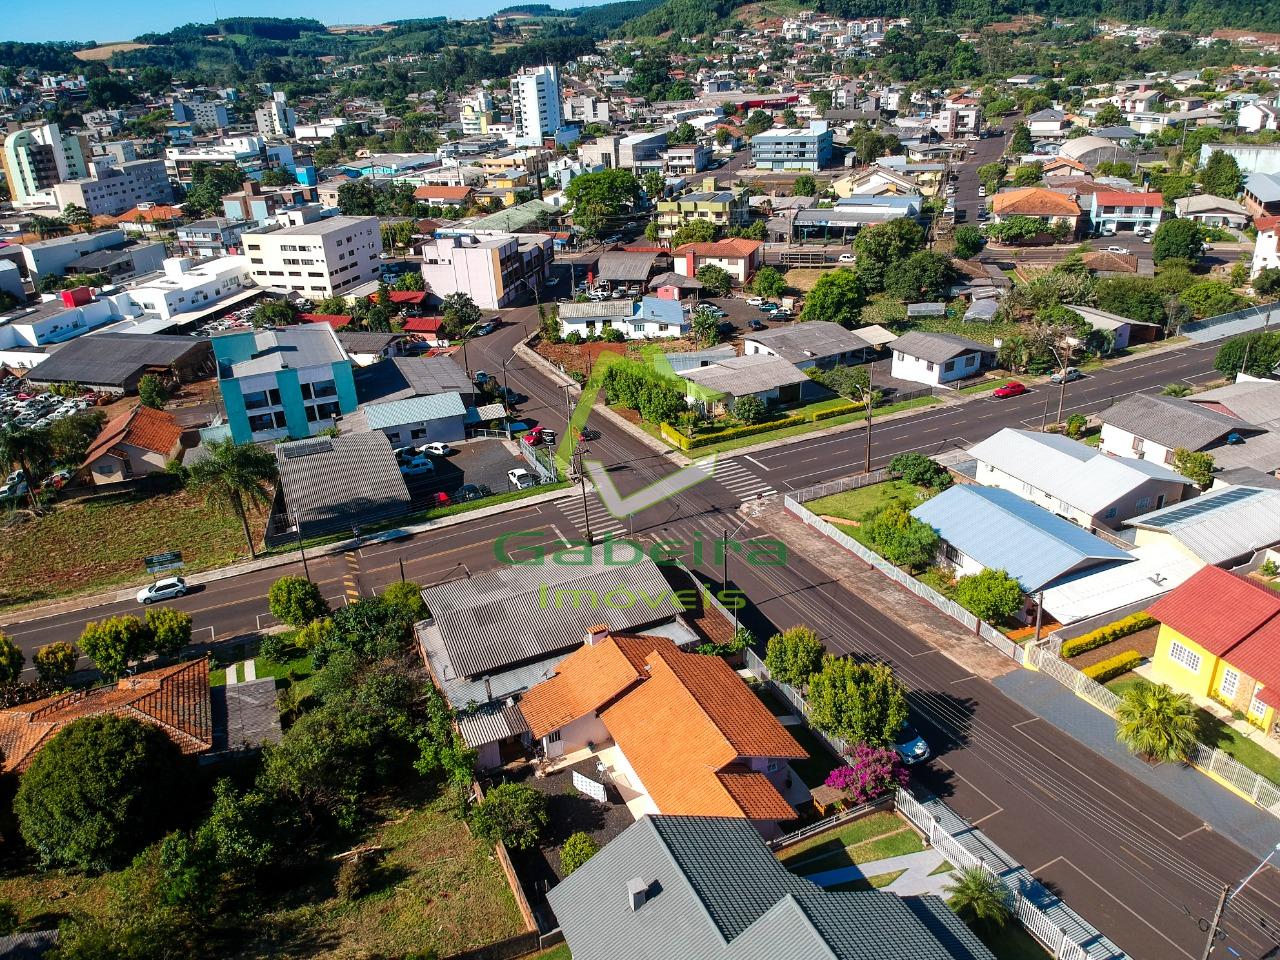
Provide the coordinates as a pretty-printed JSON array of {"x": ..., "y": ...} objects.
[
  {"x": 637, "y": 892},
  {"x": 596, "y": 634}
]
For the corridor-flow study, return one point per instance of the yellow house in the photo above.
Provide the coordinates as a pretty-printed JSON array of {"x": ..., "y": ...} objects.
[{"x": 1220, "y": 638}]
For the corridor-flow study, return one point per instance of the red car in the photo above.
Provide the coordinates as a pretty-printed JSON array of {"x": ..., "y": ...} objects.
[
  {"x": 1011, "y": 389},
  {"x": 533, "y": 437}
]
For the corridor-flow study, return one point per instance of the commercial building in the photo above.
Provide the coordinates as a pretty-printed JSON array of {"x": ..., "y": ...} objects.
[
  {"x": 332, "y": 484},
  {"x": 37, "y": 157},
  {"x": 724, "y": 208},
  {"x": 275, "y": 118},
  {"x": 535, "y": 105},
  {"x": 111, "y": 190},
  {"x": 494, "y": 269},
  {"x": 317, "y": 259},
  {"x": 213, "y": 237},
  {"x": 114, "y": 362},
  {"x": 642, "y": 151},
  {"x": 252, "y": 154},
  {"x": 806, "y": 151},
  {"x": 185, "y": 287},
  {"x": 49, "y": 258},
  {"x": 209, "y": 114},
  {"x": 290, "y": 382},
  {"x": 262, "y": 204}
]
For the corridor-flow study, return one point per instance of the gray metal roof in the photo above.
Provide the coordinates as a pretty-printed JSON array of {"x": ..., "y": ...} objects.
[
  {"x": 1067, "y": 470},
  {"x": 1221, "y": 525},
  {"x": 1256, "y": 401},
  {"x": 1170, "y": 421},
  {"x": 28, "y": 946},
  {"x": 814, "y": 339},
  {"x": 245, "y": 715},
  {"x": 594, "y": 310},
  {"x": 714, "y": 891},
  {"x": 692, "y": 359},
  {"x": 491, "y": 723},
  {"x": 402, "y": 377},
  {"x": 113, "y": 359},
  {"x": 312, "y": 345},
  {"x": 366, "y": 341},
  {"x": 514, "y": 614},
  {"x": 334, "y": 483},
  {"x": 1264, "y": 186},
  {"x": 396, "y": 413},
  {"x": 626, "y": 266},
  {"x": 739, "y": 376},
  {"x": 937, "y": 347},
  {"x": 1001, "y": 531}
]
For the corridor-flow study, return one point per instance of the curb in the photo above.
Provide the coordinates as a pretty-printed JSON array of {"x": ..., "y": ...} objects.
[{"x": 74, "y": 605}]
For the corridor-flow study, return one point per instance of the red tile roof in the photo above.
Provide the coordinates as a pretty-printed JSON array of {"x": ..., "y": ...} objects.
[
  {"x": 412, "y": 297},
  {"x": 1034, "y": 202},
  {"x": 445, "y": 193},
  {"x": 585, "y": 681},
  {"x": 733, "y": 247},
  {"x": 141, "y": 427},
  {"x": 175, "y": 698},
  {"x": 153, "y": 214},
  {"x": 1121, "y": 198},
  {"x": 1217, "y": 609},
  {"x": 422, "y": 324},
  {"x": 1266, "y": 223},
  {"x": 335, "y": 320}
]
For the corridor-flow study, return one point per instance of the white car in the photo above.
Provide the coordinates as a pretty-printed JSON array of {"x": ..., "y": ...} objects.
[
  {"x": 520, "y": 478},
  {"x": 436, "y": 449},
  {"x": 165, "y": 589},
  {"x": 1122, "y": 251},
  {"x": 754, "y": 301},
  {"x": 417, "y": 466},
  {"x": 846, "y": 258}
]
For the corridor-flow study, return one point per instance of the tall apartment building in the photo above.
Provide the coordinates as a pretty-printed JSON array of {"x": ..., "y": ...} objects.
[
  {"x": 535, "y": 105},
  {"x": 37, "y": 157},
  {"x": 286, "y": 383},
  {"x": 494, "y": 269},
  {"x": 275, "y": 118},
  {"x": 802, "y": 150},
  {"x": 476, "y": 114},
  {"x": 211, "y": 115},
  {"x": 316, "y": 259},
  {"x": 111, "y": 190}
]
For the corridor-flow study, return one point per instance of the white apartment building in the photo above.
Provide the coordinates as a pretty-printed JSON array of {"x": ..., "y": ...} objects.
[
  {"x": 113, "y": 189},
  {"x": 493, "y": 269},
  {"x": 185, "y": 287},
  {"x": 37, "y": 157},
  {"x": 247, "y": 152},
  {"x": 316, "y": 259},
  {"x": 535, "y": 105},
  {"x": 586, "y": 109},
  {"x": 476, "y": 113},
  {"x": 275, "y": 118}
]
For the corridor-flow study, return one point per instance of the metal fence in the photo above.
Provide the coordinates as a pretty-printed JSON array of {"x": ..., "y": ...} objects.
[
  {"x": 542, "y": 462},
  {"x": 1231, "y": 324},
  {"x": 923, "y": 591},
  {"x": 832, "y": 487},
  {"x": 1256, "y": 787},
  {"x": 793, "y": 697},
  {"x": 813, "y": 829}
]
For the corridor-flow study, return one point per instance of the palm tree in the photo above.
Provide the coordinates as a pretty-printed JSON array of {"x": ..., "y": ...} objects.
[
  {"x": 1176, "y": 390},
  {"x": 979, "y": 898},
  {"x": 235, "y": 476},
  {"x": 30, "y": 450},
  {"x": 1157, "y": 723}
]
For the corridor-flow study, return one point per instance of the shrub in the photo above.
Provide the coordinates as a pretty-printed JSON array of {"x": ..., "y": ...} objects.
[
  {"x": 918, "y": 469},
  {"x": 1268, "y": 569},
  {"x": 576, "y": 851},
  {"x": 279, "y": 647},
  {"x": 513, "y": 813},
  {"x": 991, "y": 595},
  {"x": 1112, "y": 667},
  {"x": 408, "y": 596},
  {"x": 1076, "y": 424},
  {"x": 872, "y": 772},
  {"x": 114, "y": 643},
  {"x": 296, "y": 601},
  {"x": 1106, "y": 634},
  {"x": 11, "y": 660},
  {"x": 794, "y": 655},
  {"x": 56, "y": 662},
  {"x": 357, "y": 876},
  {"x": 169, "y": 629}
]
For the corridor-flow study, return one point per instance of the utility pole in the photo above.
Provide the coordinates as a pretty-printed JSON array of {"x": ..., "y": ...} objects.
[
  {"x": 1217, "y": 919},
  {"x": 869, "y": 401},
  {"x": 506, "y": 392},
  {"x": 582, "y": 482},
  {"x": 297, "y": 525}
]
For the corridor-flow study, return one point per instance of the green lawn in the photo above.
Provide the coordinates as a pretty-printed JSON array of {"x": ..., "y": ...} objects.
[
  {"x": 1012, "y": 942},
  {"x": 864, "y": 501},
  {"x": 986, "y": 386},
  {"x": 1215, "y": 733},
  {"x": 865, "y": 840},
  {"x": 560, "y": 952}
]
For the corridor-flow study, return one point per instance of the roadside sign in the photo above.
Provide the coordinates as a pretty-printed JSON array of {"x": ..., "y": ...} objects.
[{"x": 164, "y": 561}]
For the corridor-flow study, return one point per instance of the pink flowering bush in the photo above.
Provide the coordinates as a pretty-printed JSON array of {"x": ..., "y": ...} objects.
[{"x": 872, "y": 772}]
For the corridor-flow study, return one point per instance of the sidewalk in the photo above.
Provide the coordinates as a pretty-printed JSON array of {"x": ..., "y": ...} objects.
[
  {"x": 1251, "y": 827},
  {"x": 917, "y": 877},
  {"x": 73, "y": 604}
]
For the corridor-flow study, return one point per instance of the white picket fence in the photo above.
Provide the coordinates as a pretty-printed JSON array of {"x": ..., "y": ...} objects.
[
  {"x": 926, "y": 593},
  {"x": 1256, "y": 787},
  {"x": 832, "y": 487}
]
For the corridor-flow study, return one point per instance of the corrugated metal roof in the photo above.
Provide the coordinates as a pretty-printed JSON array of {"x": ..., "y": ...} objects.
[
  {"x": 591, "y": 310},
  {"x": 508, "y": 616},
  {"x": 395, "y": 413},
  {"x": 353, "y": 479},
  {"x": 1169, "y": 421},
  {"x": 1158, "y": 569},
  {"x": 739, "y": 376},
  {"x": 491, "y": 725},
  {"x": 937, "y": 347},
  {"x": 1001, "y": 531},
  {"x": 1223, "y": 526},
  {"x": 806, "y": 341}
]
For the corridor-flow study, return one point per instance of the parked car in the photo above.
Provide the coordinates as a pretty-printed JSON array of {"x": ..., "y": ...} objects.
[
  {"x": 436, "y": 449},
  {"x": 1122, "y": 251},
  {"x": 586, "y": 434},
  {"x": 57, "y": 480},
  {"x": 755, "y": 301},
  {"x": 471, "y": 491},
  {"x": 982, "y": 191},
  {"x": 768, "y": 306},
  {"x": 534, "y": 436},
  {"x": 1066, "y": 375},
  {"x": 17, "y": 489},
  {"x": 486, "y": 328},
  {"x": 520, "y": 478},
  {"x": 756, "y": 324},
  {"x": 552, "y": 281},
  {"x": 614, "y": 238},
  {"x": 910, "y": 746},
  {"x": 165, "y": 589},
  {"x": 1011, "y": 389},
  {"x": 782, "y": 313},
  {"x": 440, "y": 499},
  {"x": 417, "y": 467},
  {"x": 846, "y": 258}
]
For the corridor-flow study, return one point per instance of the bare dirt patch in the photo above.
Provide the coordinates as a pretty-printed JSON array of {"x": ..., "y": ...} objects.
[{"x": 103, "y": 51}]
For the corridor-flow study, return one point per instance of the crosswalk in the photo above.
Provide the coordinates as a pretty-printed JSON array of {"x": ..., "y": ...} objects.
[
  {"x": 740, "y": 481},
  {"x": 602, "y": 521}
]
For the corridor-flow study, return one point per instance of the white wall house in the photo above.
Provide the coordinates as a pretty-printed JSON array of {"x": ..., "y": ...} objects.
[
  {"x": 936, "y": 358},
  {"x": 1265, "y": 253}
]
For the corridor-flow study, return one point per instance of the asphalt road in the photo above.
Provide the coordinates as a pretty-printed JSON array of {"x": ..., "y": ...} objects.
[{"x": 1129, "y": 860}]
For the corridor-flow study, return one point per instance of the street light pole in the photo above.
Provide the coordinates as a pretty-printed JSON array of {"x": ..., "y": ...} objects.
[
  {"x": 869, "y": 401},
  {"x": 506, "y": 392},
  {"x": 297, "y": 525}
]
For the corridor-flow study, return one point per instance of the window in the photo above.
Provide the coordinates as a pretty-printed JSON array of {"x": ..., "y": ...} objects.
[
  {"x": 772, "y": 766},
  {"x": 1111, "y": 513},
  {"x": 1256, "y": 707},
  {"x": 1184, "y": 656},
  {"x": 970, "y": 360},
  {"x": 949, "y": 366},
  {"x": 929, "y": 366},
  {"x": 1230, "y": 684},
  {"x": 553, "y": 737},
  {"x": 1144, "y": 503},
  {"x": 1137, "y": 444}
]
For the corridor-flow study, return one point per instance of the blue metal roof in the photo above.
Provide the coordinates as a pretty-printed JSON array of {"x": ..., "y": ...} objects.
[
  {"x": 396, "y": 413},
  {"x": 1002, "y": 531}
]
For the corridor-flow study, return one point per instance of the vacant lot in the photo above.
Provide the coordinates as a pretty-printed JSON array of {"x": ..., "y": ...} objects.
[
  {"x": 103, "y": 51},
  {"x": 860, "y": 503},
  {"x": 97, "y": 543}
]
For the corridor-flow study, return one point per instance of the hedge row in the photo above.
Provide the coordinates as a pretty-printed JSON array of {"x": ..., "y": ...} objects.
[
  {"x": 1112, "y": 667},
  {"x": 672, "y": 435},
  {"x": 1104, "y": 635}
]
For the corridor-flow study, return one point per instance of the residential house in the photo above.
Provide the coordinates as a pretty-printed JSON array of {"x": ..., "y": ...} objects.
[
  {"x": 1048, "y": 124},
  {"x": 288, "y": 382},
  {"x": 1123, "y": 331},
  {"x": 174, "y": 699},
  {"x": 212, "y": 237},
  {"x": 1111, "y": 211},
  {"x": 938, "y": 358},
  {"x": 670, "y": 888},
  {"x": 1261, "y": 194},
  {"x": 737, "y": 256},
  {"x": 818, "y": 343},
  {"x": 990, "y": 528},
  {"x": 629, "y": 270},
  {"x": 686, "y": 159},
  {"x": 1266, "y": 251},
  {"x": 1074, "y": 480},
  {"x": 1049, "y": 205},
  {"x": 445, "y": 196},
  {"x": 1144, "y": 426},
  {"x": 149, "y": 219},
  {"x": 137, "y": 442},
  {"x": 723, "y": 208},
  {"x": 690, "y": 738},
  {"x": 1226, "y": 527},
  {"x": 842, "y": 222},
  {"x": 1212, "y": 211},
  {"x": 332, "y": 484},
  {"x": 649, "y": 318},
  {"x": 364, "y": 347},
  {"x": 770, "y": 379},
  {"x": 1257, "y": 116},
  {"x": 877, "y": 180},
  {"x": 1220, "y": 639}
]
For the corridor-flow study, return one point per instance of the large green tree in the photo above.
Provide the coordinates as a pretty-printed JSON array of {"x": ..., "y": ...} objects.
[
  {"x": 991, "y": 595},
  {"x": 598, "y": 200},
  {"x": 794, "y": 656},
  {"x": 967, "y": 241},
  {"x": 114, "y": 643},
  {"x": 513, "y": 813},
  {"x": 768, "y": 283},
  {"x": 920, "y": 278},
  {"x": 878, "y": 248},
  {"x": 100, "y": 790},
  {"x": 837, "y": 296},
  {"x": 1211, "y": 298},
  {"x": 1178, "y": 239},
  {"x": 1256, "y": 354},
  {"x": 236, "y": 477},
  {"x": 1221, "y": 176},
  {"x": 857, "y": 702},
  {"x": 296, "y": 601}
]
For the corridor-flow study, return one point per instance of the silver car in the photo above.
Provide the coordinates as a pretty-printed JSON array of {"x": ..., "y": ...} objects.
[
  {"x": 165, "y": 589},
  {"x": 910, "y": 746}
]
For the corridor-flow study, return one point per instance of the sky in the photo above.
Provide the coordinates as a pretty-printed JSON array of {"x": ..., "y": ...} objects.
[{"x": 108, "y": 20}]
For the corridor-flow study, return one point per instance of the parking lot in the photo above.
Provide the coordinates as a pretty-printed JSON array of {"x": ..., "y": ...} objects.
[{"x": 483, "y": 462}]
